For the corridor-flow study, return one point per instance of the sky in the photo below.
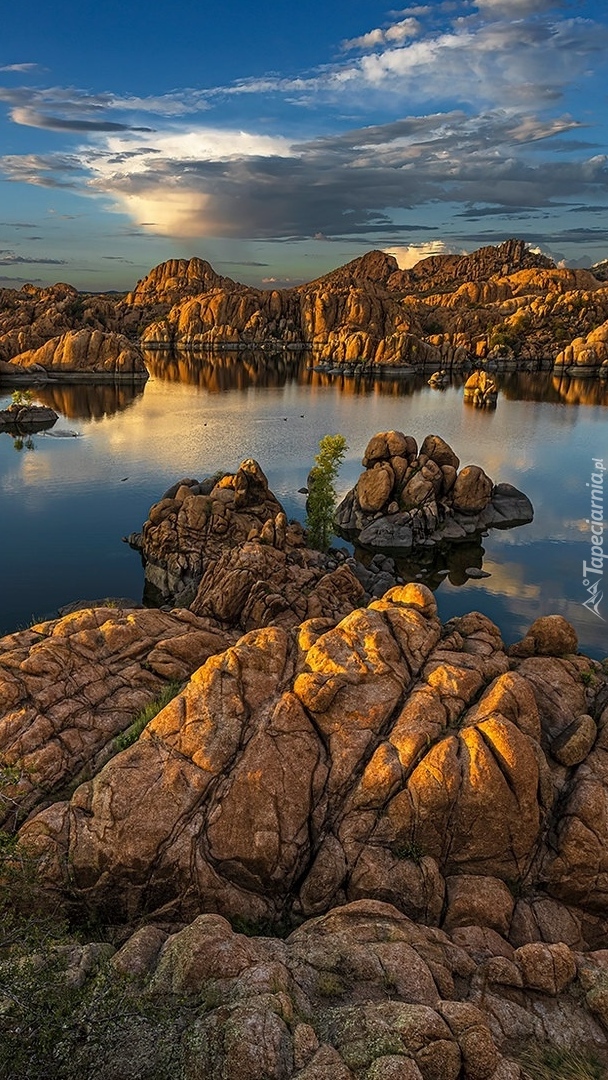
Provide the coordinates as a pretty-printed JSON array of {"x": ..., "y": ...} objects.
[{"x": 279, "y": 141}]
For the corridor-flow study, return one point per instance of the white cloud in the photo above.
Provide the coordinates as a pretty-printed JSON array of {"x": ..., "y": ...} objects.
[
  {"x": 21, "y": 68},
  {"x": 394, "y": 34},
  {"x": 408, "y": 255}
]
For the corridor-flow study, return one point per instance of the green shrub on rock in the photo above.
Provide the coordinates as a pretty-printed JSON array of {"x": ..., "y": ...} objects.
[{"x": 321, "y": 502}]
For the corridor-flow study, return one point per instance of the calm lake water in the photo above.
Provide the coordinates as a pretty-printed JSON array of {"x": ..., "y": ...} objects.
[{"x": 66, "y": 501}]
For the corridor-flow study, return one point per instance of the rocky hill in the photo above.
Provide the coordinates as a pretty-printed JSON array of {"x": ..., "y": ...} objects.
[
  {"x": 413, "y": 810},
  {"x": 504, "y": 304}
]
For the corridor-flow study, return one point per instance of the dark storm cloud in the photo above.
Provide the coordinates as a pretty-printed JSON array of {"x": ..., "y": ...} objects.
[
  {"x": 32, "y": 118},
  {"x": 344, "y": 185}
]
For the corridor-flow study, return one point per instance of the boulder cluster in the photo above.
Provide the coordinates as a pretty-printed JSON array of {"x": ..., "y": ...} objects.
[
  {"x": 408, "y": 498},
  {"x": 224, "y": 547}
]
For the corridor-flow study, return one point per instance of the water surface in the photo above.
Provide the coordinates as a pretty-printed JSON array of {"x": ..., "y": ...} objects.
[{"x": 66, "y": 503}]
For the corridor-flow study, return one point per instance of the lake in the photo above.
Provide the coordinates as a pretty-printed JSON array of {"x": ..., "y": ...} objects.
[{"x": 69, "y": 495}]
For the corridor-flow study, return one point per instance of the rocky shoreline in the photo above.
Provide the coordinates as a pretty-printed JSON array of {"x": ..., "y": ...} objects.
[
  {"x": 355, "y": 842},
  {"x": 505, "y": 307}
]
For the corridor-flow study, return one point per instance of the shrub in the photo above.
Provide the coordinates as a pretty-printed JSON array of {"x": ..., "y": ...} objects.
[
  {"x": 554, "y": 1063},
  {"x": 321, "y": 503},
  {"x": 21, "y": 398}
]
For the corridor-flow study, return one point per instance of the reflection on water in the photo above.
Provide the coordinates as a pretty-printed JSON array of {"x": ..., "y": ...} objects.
[
  {"x": 433, "y": 566},
  {"x": 221, "y": 371},
  {"x": 87, "y": 401},
  {"x": 217, "y": 372},
  {"x": 21, "y": 440},
  {"x": 65, "y": 507}
]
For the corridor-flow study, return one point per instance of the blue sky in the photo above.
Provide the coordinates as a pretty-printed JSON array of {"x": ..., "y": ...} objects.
[{"x": 279, "y": 141}]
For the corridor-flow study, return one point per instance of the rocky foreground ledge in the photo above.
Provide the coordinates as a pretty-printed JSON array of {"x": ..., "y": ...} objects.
[{"x": 415, "y": 812}]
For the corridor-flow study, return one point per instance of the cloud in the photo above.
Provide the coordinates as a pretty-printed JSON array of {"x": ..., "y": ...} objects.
[
  {"x": 394, "y": 34},
  {"x": 22, "y": 68},
  {"x": 514, "y": 9},
  {"x": 215, "y": 182},
  {"x": 11, "y": 258},
  {"x": 484, "y": 120},
  {"x": 408, "y": 255},
  {"x": 29, "y": 117}
]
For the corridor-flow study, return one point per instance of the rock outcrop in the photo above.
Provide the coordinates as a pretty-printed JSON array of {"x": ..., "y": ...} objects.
[
  {"x": 506, "y": 304},
  {"x": 362, "y": 993},
  {"x": 386, "y": 758},
  {"x": 481, "y": 390},
  {"x": 225, "y": 547},
  {"x": 586, "y": 356},
  {"x": 410, "y": 498},
  {"x": 70, "y": 687},
  {"x": 27, "y": 418},
  {"x": 86, "y": 352},
  {"x": 29, "y": 317}
]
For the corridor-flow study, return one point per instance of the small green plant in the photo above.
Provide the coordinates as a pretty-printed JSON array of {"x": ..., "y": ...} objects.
[
  {"x": 408, "y": 849},
  {"x": 21, "y": 398},
  {"x": 331, "y": 985},
  {"x": 321, "y": 503},
  {"x": 143, "y": 718},
  {"x": 587, "y": 678}
]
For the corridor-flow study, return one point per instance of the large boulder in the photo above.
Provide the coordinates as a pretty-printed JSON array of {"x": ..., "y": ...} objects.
[{"x": 87, "y": 352}]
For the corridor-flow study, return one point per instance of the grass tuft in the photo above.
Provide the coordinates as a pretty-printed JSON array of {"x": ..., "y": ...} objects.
[
  {"x": 553, "y": 1063},
  {"x": 143, "y": 718}
]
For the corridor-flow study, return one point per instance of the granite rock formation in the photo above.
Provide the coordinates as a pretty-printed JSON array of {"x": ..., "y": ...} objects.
[
  {"x": 387, "y": 757},
  {"x": 586, "y": 355},
  {"x": 421, "y": 809},
  {"x": 29, "y": 317},
  {"x": 361, "y": 993},
  {"x": 408, "y": 498},
  {"x": 85, "y": 352},
  {"x": 504, "y": 304},
  {"x": 224, "y": 546},
  {"x": 481, "y": 390},
  {"x": 27, "y": 418},
  {"x": 69, "y": 687}
]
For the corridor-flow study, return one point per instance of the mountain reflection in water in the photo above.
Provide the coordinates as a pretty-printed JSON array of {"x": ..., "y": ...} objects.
[
  {"x": 87, "y": 401},
  {"x": 66, "y": 505}
]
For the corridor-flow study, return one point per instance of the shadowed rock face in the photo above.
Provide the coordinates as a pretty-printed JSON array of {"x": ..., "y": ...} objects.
[{"x": 408, "y": 498}]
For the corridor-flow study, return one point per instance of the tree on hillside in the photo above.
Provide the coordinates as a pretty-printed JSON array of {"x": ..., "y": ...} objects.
[{"x": 321, "y": 502}]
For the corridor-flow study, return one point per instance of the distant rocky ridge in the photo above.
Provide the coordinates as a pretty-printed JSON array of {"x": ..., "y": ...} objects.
[{"x": 501, "y": 304}]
